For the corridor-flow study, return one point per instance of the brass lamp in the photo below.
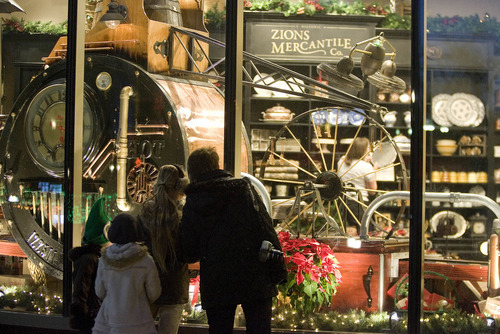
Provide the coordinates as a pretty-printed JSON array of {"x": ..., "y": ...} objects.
[
  {"x": 115, "y": 15},
  {"x": 378, "y": 72}
]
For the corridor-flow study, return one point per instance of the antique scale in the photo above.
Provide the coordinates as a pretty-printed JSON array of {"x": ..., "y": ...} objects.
[{"x": 151, "y": 96}]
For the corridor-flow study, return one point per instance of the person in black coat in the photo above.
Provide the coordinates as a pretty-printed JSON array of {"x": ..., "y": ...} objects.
[
  {"x": 85, "y": 304},
  {"x": 219, "y": 230}
]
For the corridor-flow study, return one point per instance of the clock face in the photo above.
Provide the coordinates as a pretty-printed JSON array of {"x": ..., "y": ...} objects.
[
  {"x": 45, "y": 128},
  {"x": 478, "y": 228},
  {"x": 103, "y": 81}
]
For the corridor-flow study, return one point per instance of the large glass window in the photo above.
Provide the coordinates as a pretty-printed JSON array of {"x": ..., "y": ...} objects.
[
  {"x": 33, "y": 203},
  {"x": 331, "y": 105}
]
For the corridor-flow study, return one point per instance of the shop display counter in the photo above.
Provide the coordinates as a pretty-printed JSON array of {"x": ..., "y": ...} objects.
[{"x": 366, "y": 271}]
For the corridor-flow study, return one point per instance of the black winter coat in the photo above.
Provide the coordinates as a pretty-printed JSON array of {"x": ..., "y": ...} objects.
[
  {"x": 85, "y": 304},
  {"x": 219, "y": 230}
]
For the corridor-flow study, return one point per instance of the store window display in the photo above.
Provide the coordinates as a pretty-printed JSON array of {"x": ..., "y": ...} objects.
[{"x": 184, "y": 116}]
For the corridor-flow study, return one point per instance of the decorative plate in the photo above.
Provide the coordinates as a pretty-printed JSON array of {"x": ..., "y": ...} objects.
[
  {"x": 439, "y": 109},
  {"x": 297, "y": 85},
  {"x": 280, "y": 84},
  {"x": 332, "y": 116},
  {"x": 384, "y": 154},
  {"x": 460, "y": 110},
  {"x": 342, "y": 117},
  {"x": 356, "y": 117},
  {"x": 448, "y": 224},
  {"x": 319, "y": 117},
  {"x": 263, "y": 79},
  {"x": 479, "y": 108}
]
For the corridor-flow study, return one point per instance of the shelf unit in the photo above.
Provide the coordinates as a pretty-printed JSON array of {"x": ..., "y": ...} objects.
[
  {"x": 269, "y": 35},
  {"x": 461, "y": 64}
]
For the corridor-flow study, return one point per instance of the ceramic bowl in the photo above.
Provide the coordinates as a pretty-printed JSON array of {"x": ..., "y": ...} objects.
[
  {"x": 446, "y": 149},
  {"x": 446, "y": 142}
]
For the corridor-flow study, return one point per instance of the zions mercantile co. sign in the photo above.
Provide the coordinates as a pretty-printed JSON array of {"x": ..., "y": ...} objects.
[{"x": 304, "y": 41}]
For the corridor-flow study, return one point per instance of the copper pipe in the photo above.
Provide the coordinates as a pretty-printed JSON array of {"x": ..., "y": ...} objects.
[{"x": 121, "y": 159}]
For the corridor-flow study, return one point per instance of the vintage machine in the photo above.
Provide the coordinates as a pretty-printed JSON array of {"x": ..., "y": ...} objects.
[{"x": 152, "y": 94}]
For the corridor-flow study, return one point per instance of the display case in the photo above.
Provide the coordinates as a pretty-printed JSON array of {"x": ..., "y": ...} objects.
[{"x": 460, "y": 138}]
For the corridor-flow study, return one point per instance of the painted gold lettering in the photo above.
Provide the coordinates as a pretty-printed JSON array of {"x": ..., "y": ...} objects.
[{"x": 277, "y": 48}]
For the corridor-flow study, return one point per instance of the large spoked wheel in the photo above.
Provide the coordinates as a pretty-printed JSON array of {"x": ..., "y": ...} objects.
[{"x": 301, "y": 169}]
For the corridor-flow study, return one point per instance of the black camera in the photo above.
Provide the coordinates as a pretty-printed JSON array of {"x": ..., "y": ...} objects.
[{"x": 269, "y": 253}]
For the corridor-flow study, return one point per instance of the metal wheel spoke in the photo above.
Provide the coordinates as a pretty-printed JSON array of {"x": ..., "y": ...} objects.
[
  {"x": 293, "y": 164},
  {"x": 350, "y": 145},
  {"x": 372, "y": 172},
  {"x": 302, "y": 148},
  {"x": 354, "y": 164},
  {"x": 335, "y": 139},
  {"x": 319, "y": 145},
  {"x": 349, "y": 210},
  {"x": 365, "y": 206},
  {"x": 321, "y": 204},
  {"x": 281, "y": 181},
  {"x": 374, "y": 190}
]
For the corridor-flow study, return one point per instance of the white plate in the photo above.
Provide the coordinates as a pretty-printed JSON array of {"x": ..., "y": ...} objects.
[
  {"x": 332, "y": 116},
  {"x": 296, "y": 84},
  {"x": 325, "y": 141},
  {"x": 346, "y": 141},
  {"x": 281, "y": 85},
  {"x": 262, "y": 80},
  {"x": 460, "y": 110},
  {"x": 343, "y": 117},
  {"x": 384, "y": 154},
  {"x": 356, "y": 117},
  {"x": 274, "y": 120},
  {"x": 319, "y": 117},
  {"x": 479, "y": 108},
  {"x": 439, "y": 109},
  {"x": 444, "y": 217}
]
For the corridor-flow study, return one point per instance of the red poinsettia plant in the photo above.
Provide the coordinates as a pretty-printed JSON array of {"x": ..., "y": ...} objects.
[{"x": 313, "y": 273}]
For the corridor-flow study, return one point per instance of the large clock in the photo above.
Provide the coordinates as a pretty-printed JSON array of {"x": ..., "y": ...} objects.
[{"x": 45, "y": 127}]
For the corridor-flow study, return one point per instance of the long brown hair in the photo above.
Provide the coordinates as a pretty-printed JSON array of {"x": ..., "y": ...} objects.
[
  {"x": 162, "y": 214},
  {"x": 358, "y": 149}
]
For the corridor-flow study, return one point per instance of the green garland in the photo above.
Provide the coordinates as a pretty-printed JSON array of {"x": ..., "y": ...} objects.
[
  {"x": 286, "y": 318},
  {"x": 455, "y": 321},
  {"x": 215, "y": 19},
  {"x": 28, "y": 299},
  {"x": 471, "y": 25},
  {"x": 34, "y": 27},
  {"x": 467, "y": 25}
]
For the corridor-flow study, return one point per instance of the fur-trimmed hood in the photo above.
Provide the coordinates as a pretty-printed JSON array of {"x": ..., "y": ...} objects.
[
  {"x": 123, "y": 256},
  {"x": 77, "y": 252}
]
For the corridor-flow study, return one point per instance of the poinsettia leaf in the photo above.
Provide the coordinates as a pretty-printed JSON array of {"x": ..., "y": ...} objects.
[
  {"x": 300, "y": 278},
  {"x": 320, "y": 299},
  {"x": 308, "y": 289}
]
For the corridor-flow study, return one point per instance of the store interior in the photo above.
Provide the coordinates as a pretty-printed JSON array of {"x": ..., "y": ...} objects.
[{"x": 315, "y": 80}]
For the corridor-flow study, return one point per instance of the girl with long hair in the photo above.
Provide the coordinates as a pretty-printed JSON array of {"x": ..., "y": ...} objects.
[{"x": 161, "y": 216}]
